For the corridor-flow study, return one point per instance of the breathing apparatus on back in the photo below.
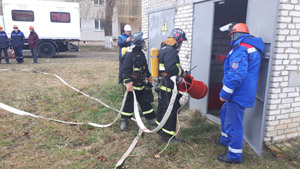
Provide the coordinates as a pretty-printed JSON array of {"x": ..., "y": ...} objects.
[{"x": 194, "y": 88}]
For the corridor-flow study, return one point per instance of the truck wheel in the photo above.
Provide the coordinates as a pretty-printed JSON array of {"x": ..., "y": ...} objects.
[{"x": 46, "y": 50}]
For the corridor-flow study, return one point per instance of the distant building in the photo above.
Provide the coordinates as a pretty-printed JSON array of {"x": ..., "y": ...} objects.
[
  {"x": 129, "y": 12},
  {"x": 92, "y": 17}
]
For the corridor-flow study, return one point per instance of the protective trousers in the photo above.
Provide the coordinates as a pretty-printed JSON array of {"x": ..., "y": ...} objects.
[
  {"x": 163, "y": 103},
  {"x": 232, "y": 115},
  {"x": 146, "y": 107},
  {"x": 5, "y": 53},
  {"x": 19, "y": 54},
  {"x": 34, "y": 55}
]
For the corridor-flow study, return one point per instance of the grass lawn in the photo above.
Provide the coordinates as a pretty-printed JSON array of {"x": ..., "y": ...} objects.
[{"x": 26, "y": 142}]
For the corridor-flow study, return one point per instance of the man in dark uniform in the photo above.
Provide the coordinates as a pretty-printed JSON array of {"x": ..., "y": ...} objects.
[
  {"x": 124, "y": 41},
  {"x": 17, "y": 43},
  {"x": 135, "y": 72},
  {"x": 169, "y": 65},
  {"x": 3, "y": 44}
]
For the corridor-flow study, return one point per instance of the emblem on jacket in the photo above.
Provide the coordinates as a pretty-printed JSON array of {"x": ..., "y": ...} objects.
[{"x": 235, "y": 65}]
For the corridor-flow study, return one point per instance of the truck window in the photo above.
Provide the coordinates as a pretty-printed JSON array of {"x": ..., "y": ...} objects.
[
  {"x": 62, "y": 17},
  {"x": 22, "y": 15}
]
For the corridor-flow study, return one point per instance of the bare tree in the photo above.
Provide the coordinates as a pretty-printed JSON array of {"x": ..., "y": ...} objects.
[{"x": 109, "y": 11}]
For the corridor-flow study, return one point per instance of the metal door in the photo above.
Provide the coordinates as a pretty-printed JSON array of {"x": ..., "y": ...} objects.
[
  {"x": 262, "y": 21},
  {"x": 201, "y": 48},
  {"x": 160, "y": 26}
]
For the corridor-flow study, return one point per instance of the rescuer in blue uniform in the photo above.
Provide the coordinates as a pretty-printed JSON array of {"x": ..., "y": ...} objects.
[
  {"x": 123, "y": 41},
  {"x": 17, "y": 42},
  {"x": 4, "y": 43},
  {"x": 241, "y": 71}
]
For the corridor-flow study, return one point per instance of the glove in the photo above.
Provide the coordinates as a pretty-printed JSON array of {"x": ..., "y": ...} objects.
[
  {"x": 179, "y": 80},
  {"x": 148, "y": 95},
  {"x": 183, "y": 74},
  {"x": 129, "y": 86},
  {"x": 149, "y": 79},
  {"x": 148, "y": 86}
]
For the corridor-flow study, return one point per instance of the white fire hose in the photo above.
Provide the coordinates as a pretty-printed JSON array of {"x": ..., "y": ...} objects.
[
  {"x": 138, "y": 120},
  {"x": 141, "y": 125}
]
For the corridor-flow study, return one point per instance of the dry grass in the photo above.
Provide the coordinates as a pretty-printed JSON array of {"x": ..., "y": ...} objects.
[{"x": 26, "y": 142}]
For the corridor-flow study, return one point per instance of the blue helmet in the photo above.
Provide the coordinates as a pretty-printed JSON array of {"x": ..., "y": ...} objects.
[{"x": 178, "y": 34}]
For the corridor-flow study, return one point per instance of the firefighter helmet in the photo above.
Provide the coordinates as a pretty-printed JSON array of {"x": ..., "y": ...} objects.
[
  {"x": 137, "y": 39},
  {"x": 31, "y": 27},
  {"x": 178, "y": 34}
]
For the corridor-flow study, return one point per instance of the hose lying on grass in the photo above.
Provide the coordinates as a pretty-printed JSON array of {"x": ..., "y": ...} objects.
[
  {"x": 136, "y": 112},
  {"x": 23, "y": 113}
]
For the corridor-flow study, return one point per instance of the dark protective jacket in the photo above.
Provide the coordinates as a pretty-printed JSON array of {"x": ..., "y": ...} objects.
[
  {"x": 169, "y": 61},
  {"x": 122, "y": 43},
  {"x": 135, "y": 68},
  {"x": 17, "y": 38},
  {"x": 33, "y": 40},
  {"x": 4, "y": 43},
  {"x": 241, "y": 70},
  {"x": 169, "y": 65}
]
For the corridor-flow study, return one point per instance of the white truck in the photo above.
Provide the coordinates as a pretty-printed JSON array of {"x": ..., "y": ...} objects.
[{"x": 56, "y": 23}]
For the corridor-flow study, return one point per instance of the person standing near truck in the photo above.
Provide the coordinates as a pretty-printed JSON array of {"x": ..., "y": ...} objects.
[
  {"x": 17, "y": 42},
  {"x": 33, "y": 40},
  {"x": 4, "y": 43}
]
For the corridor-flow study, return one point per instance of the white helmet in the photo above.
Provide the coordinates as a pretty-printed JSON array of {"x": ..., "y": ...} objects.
[{"x": 127, "y": 28}]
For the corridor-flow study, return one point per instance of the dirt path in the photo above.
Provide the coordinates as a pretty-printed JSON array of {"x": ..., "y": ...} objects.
[{"x": 82, "y": 54}]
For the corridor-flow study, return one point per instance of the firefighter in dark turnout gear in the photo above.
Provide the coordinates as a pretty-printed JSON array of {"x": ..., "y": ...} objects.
[
  {"x": 169, "y": 65},
  {"x": 135, "y": 72}
]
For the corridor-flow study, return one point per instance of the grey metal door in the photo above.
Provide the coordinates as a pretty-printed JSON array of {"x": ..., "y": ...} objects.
[
  {"x": 262, "y": 21},
  {"x": 201, "y": 48},
  {"x": 160, "y": 26}
]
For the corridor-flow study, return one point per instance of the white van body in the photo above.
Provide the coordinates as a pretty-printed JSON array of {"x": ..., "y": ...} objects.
[{"x": 56, "y": 23}]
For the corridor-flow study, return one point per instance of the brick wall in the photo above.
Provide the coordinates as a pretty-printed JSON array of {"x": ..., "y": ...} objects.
[
  {"x": 183, "y": 20},
  {"x": 283, "y": 110},
  {"x": 283, "y": 115}
]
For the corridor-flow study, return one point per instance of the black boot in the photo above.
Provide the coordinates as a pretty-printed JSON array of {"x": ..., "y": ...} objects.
[
  {"x": 218, "y": 143},
  {"x": 224, "y": 158},
  {"x": 166, "y": 137},
  {"x": 151, "y": 121},
  {"x": 123, "y": 125}
]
